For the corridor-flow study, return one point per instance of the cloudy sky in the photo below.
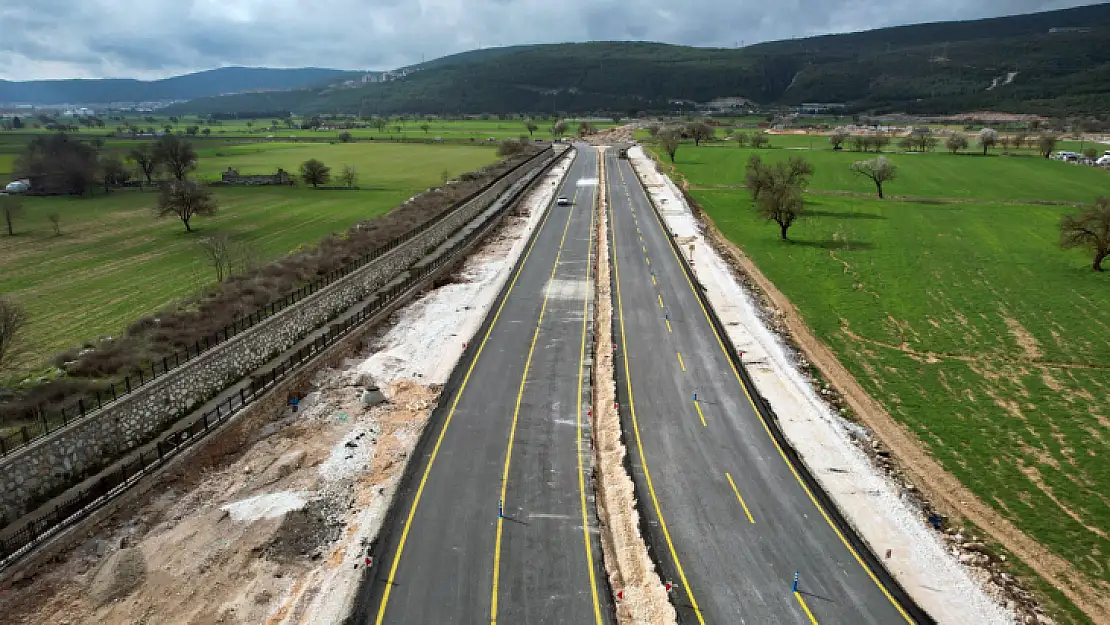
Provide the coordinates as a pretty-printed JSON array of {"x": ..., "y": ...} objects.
[{"x": 157, "y": 38}]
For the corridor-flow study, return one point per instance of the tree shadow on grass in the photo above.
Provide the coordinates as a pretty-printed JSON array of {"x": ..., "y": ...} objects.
[
  {"x": 851, "y": 246},
  {"x": 843, "y": 215}
]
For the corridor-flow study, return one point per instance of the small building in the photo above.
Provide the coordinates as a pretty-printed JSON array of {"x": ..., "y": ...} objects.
[{"x": 232, "y": 176}]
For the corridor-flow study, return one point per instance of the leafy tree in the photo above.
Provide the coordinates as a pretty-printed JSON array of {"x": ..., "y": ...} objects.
[
  {"x": 777, "y": 189},
  {"x": 700, "y": 131},
  {"x": 206, "y": 132},
  {"x": 345, "y": 136},
  {"x": 12, "y": 207},
  {"x": 176, "y": 155},
  {"x": 669, "y": 140},
  {"x": 315, "y": 173},
  {"x": 531, "y": 126},
  {"x": 425, "y": 127},
  {"x": 349, "y": 176},
  {"x": 616, "y": 119},
  {"x": 838, "y": 137},
  {"x": 879, "y": 170},
  {"x": 379, "y": 123},
  {"x": 586, "y": 128},
  {"x": 192, "y": 130},
  {"x": 145, "y": 156},
  {"x": 185, "y": 199},
  {"x": 57, "y": 163},
  {"x": 12, "y": 320},
  {"x": 956, "y": 142},
  {"x": 1046, "y": 144},
  {"x": 1090, "y": 229},
  {"x": 1090, "y": 153},
  {"x": 759, "y": 140},
  {"x": 741, "y": 139},
  {"x": 988, "y": 138}
]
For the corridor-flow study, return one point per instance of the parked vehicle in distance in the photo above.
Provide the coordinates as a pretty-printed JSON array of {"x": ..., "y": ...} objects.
[{"x": 562, "y": 201}]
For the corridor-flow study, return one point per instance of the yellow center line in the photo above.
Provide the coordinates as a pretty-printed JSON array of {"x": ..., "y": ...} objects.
[
  {"x": 390, "y": 580},
  {"x": 767, "y": 429},
  {"x": 805, "y": 607},
  {"x": 697, "y": 404},
  {"x": 653, "y": 282},
  {"x": 669, "y": 326},
  {"x": 741, "y": 499},
  {"x": 660, "y": 300},
  {"x": 516, "y": 416},
  {"x": 578, "y": 430},
  {"x": 680, "y": 363},
  {"x": 636, "y": 430}
]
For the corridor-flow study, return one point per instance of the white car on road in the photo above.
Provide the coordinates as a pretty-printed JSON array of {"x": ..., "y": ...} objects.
[{"x": 563, "y": 201}]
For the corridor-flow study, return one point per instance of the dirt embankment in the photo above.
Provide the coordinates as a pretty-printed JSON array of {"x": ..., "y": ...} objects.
[
  {"x": 631, "y": 572},
  {"x": 942, "y": 489}
]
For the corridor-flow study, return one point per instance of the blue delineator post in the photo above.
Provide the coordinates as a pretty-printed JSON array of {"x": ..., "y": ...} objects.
[
  {"x": 500, "y": 509},
  {"x": 795, "y": 581}
]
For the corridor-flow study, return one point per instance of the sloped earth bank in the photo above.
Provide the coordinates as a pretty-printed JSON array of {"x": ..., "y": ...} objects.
[
  {"x": 627, "y": 562},
  {"x": 883, "y": 512},
  {"x": 278, "y": 534}
]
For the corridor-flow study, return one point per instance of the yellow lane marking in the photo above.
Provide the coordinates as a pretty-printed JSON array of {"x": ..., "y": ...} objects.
[
  {"x": 767, "y": 429},
  {"x": 741, "y": 499},
  {"x": 516, "y": 415},
  {"x": 805, "y": 607},
  {"x": 636, "y": 430},
  {"x": 578, "y": 430},
  {"x": 660, "y": 300},
  {"x": 697, "y": 404},
  {"x": 682, "y": 364},
  {"x": 653, "y": 282},
  {"x": 390, "y": 581},
  {"x": 669, "y": 326}
]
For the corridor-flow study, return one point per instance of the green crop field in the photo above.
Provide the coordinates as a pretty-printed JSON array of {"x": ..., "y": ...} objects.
[
  {"x": 965, "y": 319},
  {"x": 115, "y": 261}
]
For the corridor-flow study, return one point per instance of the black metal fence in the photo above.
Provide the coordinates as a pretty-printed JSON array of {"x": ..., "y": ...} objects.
[
  {"x": 49, "y": 421},
  {"x": 113, "y": 484}
]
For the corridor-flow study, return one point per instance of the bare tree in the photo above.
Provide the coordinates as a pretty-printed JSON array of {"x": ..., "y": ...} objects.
[
  {"x": 216, "y": 248},
  {"x": 1090, "y": 229},
  {"x": 758, "y": 140},
  {"x": 1090, "y": 153},
  {"x": 653, "y": 130},
  {"x": 838, "y": 137},
  {"x": 879, "y": 170},
  {"x": 315, "y": 173},
  {"x": 12, "y": 207},
  {"x": 956, "y": 142},
  {"x": 145, "y": 157},
  {"x": 741, "y": 139},
  {"x": 1020, "y": 139},
  {"x": 586, "y": 128},
  {"x": 12, "y": 320},
  {"x": 56, "y": 222},
  {"x": 859, "y": 143},
  {"x": 379, "y": 123},
  {"x": 670, "y": 140},
  {"x": 1046, "y": 145},
  {"x": 700, "y": 131},
  {"x": 759, "y": 177},
  {"x": 112, "y": 171},
  {"x": 988, "y": 138},
  {"x": 880, "y": 141},
  {"x": 176, "y": 154},
  {"x": 185, "y": 199},
  {"x": 559, "y": 128},
  {"x": 348, "y": 176},
  {"x": 755, "y": 176}
]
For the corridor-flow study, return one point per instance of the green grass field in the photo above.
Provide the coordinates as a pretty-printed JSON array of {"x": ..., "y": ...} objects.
[
  {"x": 965, "y": 319},
  {"x": 116, "y": 262}
]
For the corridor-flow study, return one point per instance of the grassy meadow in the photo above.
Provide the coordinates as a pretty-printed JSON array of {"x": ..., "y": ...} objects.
[
  {"x": 115, "y": 261},
  {"x": 952, "y": 303}
]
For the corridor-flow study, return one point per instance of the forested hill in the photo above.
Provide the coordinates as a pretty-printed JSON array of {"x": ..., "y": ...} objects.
[
  {"x": 201, "y": 84},
  {"x": 1055, "y": 63}
]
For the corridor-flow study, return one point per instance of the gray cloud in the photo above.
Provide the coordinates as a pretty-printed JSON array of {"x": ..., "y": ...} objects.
[{"x": 155, "y": 38}]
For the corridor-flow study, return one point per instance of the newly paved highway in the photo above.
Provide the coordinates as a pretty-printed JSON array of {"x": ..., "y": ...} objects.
[
  {"x": 730, "y": 519},
  {"x": 514, "y": 432}
]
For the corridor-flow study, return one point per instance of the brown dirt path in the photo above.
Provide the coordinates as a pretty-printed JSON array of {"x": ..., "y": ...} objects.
[{"x": 942, "y": 488}]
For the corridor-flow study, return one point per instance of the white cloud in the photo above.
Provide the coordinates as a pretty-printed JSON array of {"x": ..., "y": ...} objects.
[{"x": 154, "y": 38}]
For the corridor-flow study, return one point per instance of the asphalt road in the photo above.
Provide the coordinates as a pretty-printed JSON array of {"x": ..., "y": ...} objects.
[
  {"x": 514, "y": 433},
  {"x": 730, "y": 520}
]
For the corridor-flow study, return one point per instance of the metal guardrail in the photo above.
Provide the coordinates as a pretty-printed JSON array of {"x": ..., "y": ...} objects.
[
  {"x": 47, "y": 421},
  {"x": 170, "y": 445}
]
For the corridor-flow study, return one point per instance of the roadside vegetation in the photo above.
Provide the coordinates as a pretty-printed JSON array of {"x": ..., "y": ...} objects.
[{"x": 965, "y": 302}]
